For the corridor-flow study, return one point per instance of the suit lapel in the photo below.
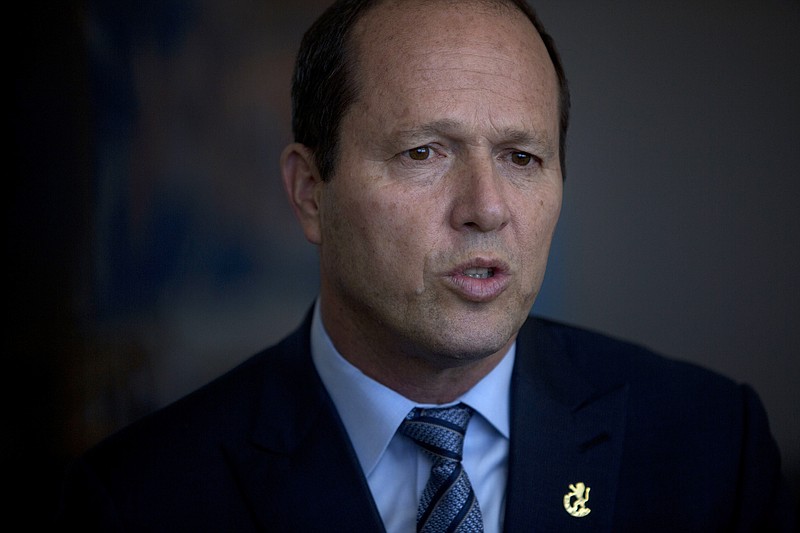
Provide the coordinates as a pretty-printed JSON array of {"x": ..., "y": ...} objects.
[
  {"x": 298, "y": 470},
  {"x": 564, "y": 431}
]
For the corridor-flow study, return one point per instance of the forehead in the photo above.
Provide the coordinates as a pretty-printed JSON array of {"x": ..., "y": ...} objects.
[{"x": 469, "y": 50}]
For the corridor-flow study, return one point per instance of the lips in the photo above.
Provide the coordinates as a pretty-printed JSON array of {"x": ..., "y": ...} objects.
[{"x": 479, "y": 280}]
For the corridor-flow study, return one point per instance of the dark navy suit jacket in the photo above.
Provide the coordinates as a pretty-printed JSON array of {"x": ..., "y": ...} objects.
[{"x": 662, "y": 446}]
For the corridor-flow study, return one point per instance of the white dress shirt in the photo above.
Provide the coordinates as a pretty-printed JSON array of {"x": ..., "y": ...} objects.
[{"x": 395, "y": 467}]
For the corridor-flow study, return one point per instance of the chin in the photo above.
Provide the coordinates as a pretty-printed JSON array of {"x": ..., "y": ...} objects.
[{"x": 471, "y": 346}]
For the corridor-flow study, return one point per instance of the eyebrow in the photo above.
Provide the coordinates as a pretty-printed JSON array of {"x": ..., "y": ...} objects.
[{"x": 437, "y": 127}]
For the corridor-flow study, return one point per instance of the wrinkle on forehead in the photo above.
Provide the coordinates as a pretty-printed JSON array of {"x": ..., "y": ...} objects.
[{"x": 502, "y": 45}]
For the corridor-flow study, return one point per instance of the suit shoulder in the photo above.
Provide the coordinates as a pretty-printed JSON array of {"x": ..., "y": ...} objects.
[
  {"x": 226, "y": 405},
  {"x": 605, "y": 359}
]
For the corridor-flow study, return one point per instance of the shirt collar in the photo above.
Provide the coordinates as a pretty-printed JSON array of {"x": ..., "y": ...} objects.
[{"x": 372, "y": 412}]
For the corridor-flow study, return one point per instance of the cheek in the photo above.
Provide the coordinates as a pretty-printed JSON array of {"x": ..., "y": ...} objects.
[
  {"x": 389, "y": 231},
  {"x": 549, "y": 206},
  {"x": 405, "y": 238},
  {"x": 403, "y": 226},
  {"x": 537, "y": 223}
]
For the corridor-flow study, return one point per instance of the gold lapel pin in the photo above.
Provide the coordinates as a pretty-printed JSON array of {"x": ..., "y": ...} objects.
[{"x": 575, "y": 500}]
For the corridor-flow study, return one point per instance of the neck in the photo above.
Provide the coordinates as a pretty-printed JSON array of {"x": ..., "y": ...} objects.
[
  {"x": 420, "y": 376},
  {"x": 426, "y": 384}
]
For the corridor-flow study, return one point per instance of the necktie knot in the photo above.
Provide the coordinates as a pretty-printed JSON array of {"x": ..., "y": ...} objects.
[{"x": 439, "y": 431}]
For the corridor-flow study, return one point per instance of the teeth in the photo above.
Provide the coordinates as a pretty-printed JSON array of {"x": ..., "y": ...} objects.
[{"x": 478, "y": 273}]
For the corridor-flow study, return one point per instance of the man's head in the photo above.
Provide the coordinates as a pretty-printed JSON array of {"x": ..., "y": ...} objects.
[
  {"x": 435, "y": 221},
  {"x": 326, "y": 78}
]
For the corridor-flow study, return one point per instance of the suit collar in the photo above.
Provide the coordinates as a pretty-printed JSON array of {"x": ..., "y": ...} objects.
[{"x": 564, "y": 430}]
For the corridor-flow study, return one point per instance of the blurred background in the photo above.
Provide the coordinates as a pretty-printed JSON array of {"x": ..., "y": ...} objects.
[{"x": 151, "y": 247}]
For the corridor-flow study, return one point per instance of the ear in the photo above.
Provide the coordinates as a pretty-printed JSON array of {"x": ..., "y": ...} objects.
[{"x": 302, "y": 183}]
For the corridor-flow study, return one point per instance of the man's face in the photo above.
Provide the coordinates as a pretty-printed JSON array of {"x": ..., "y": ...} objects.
[{"x": 436, "y": 225}]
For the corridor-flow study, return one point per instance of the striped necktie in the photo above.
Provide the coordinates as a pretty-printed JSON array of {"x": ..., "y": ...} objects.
[{"x": 448, "y": 503}]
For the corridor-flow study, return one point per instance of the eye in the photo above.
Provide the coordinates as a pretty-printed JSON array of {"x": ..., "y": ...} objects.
[
  {"x": 420, "y": 153},
  {"x": 521, "y": 158}
]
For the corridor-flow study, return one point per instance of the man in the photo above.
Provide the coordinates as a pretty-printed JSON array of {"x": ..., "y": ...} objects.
[{"x": 428, "y": 170}]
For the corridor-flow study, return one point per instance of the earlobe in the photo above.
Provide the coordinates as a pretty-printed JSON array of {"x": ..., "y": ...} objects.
[{"x": 301, "y": 181}]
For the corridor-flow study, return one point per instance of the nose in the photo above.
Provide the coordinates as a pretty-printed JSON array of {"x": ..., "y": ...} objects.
[{"x": 480, "y": 199}]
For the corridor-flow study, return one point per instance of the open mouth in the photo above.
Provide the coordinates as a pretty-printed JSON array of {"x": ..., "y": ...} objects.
[
  {"x": 479, "y": 273},
  {"x": 480, "y": 280}
]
